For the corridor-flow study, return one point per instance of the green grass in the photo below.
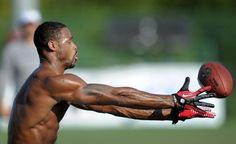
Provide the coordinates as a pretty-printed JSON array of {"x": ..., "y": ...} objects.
[{"x": 225, "y": 134}]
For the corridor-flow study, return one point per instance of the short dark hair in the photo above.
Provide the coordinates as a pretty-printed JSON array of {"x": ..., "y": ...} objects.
[{"x": 45, "y": 32}]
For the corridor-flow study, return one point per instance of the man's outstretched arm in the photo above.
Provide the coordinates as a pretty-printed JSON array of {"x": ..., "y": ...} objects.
[
  {"x": 123, "y": 101},
  {"x": 188, "y": 112},
  {"x": 74, "y": 90}
]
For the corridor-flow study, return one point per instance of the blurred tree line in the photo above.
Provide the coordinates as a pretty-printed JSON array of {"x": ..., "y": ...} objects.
[{"x": 212, "y": 29}]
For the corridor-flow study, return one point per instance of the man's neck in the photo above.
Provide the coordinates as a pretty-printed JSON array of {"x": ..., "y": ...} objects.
[{"x": 55, "y": 66}]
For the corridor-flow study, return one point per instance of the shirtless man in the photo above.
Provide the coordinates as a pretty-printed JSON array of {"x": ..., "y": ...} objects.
[{"x": 46, "y": 95}]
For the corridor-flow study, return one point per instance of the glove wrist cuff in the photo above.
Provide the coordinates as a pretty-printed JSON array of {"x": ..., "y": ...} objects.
[{"x": 175, "y": 115}]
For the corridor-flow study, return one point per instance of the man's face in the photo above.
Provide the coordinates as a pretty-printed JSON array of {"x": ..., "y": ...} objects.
[{"x": 67, "y": 52}]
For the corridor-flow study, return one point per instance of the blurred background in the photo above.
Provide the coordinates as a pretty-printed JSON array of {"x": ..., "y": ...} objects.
[{"x": 111, "y": 33}]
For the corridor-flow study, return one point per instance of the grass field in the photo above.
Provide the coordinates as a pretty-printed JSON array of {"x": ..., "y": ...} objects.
[{"x": 225, "y": 134}]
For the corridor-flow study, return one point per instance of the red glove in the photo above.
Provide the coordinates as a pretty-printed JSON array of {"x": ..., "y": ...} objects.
[
  {"x": 184, "y": 96},
  {"x": 189, "y": 112},
  {"x": 193, "y": 112}
]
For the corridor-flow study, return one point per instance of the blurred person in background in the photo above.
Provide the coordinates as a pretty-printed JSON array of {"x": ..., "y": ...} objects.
[
  {"x": 19, "y": 56},
  {"x": 4, "y": 111}
]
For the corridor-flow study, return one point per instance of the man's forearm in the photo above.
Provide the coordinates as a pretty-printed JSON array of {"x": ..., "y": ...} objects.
[{"x": 160, "y": 114}]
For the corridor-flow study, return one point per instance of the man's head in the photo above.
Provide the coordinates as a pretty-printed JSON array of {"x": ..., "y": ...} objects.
[{"x": 55, "y": 38}]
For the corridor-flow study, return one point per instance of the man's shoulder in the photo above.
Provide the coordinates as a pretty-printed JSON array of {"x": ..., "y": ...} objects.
[
  {"x": 68, "y": 77},
  {"x": 73, "y": 77},
  {"x": 65, "y": 81}
]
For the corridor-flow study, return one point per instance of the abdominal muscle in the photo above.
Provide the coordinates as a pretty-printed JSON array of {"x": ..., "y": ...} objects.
[{"x": 44, "y": 132}]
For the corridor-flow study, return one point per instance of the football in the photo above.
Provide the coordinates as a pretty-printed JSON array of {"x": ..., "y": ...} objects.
[{"x": 218, "y": 77}]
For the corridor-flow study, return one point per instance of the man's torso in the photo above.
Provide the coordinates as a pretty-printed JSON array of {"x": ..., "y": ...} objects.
[{"x": 35, "y": 115}]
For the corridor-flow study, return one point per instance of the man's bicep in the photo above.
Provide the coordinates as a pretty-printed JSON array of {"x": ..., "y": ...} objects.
[{"x": 94, "y": 94}]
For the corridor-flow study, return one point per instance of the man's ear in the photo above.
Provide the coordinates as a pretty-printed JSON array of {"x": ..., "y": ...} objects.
[{"x": 52, "y": 45}]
